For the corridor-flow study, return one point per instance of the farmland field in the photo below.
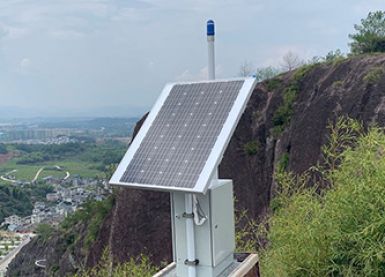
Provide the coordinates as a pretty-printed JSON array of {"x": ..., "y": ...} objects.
[
  {"x": 86, "y": 160},
  {"x": 28, "y": 172}
]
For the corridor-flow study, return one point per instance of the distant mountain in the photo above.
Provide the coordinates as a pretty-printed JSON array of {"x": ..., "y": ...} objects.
[
  {"x": 113, "y": 126},
  {"x": 8, "y": 113}
]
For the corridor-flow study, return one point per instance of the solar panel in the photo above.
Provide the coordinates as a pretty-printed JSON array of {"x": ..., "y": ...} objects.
[{"x": 184, "y": 137}]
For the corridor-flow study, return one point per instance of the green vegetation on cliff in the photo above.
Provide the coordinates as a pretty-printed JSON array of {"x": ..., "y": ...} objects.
[
  {"x": 135, "y": 267},
  {"x": 91, "y": 214},
  {"x": 339, "y": 232},
  {"x": 284, "y": 112}
]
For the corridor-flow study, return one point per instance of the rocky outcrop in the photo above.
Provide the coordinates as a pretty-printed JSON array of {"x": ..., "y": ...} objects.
[
  {"x": 58, "y": 252},
  {"x": 139, "y": 222}
]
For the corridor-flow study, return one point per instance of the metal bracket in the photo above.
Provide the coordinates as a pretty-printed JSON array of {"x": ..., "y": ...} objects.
[
  {"x": 186, "y": 215},
  {"x": 191, "y": 263}
]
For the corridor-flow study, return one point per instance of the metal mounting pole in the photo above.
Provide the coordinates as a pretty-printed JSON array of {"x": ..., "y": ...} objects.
[
  {"x": 190, "y": 236},
  {"x": 191, "y": 260}
]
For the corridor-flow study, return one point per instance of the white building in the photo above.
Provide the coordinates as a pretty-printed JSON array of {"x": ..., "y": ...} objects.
[
  {"x": 39, "y": 205},
  {"x": 36, "y": 218},
  {"x": 52, "y": 197},
  {"x": 14, "y": 220}
]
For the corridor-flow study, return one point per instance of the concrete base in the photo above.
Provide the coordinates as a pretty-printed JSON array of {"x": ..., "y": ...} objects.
[{"x": 244, "y": 265}]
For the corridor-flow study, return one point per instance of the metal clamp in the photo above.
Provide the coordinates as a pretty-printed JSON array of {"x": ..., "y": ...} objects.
[
  {"x": 186, "y": 215},
  {"x": 192, "y": 263}
]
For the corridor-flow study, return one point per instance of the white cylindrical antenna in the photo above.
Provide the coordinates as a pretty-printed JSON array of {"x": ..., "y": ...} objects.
[
  {"x": 211, "y": 49},
  {"x": 211, "y": 64}
]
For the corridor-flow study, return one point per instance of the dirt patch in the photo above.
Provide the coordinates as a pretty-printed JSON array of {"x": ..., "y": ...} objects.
[{"x": 5, "y": 157}]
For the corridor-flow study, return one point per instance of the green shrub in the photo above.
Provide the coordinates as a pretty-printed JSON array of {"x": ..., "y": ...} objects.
[
  {"x": 92, "y": 212},
  {"x": 374, "y": 75},
  {"x": 301, "y": 72},
  {"x": 54, "y": 269},
  {"x": 273, "y": 84},
  {"x": 334, "y": 57},
  {"x": 277, "y": 130},
  {"x": 135, "y": 267},
  {"x": 283, "y": 162},
  {"x": 44, "y": 231},
  {"x": 340, "y": 232},
  {"x": 249, "y": 235},
  {"x": 252, "y": 147},
  {"x": 337, "y": 84},
  {"x": 99, "y": 211},
  {"x": 284, "y": 112}
]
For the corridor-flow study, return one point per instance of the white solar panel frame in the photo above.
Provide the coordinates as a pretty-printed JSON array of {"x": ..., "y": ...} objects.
[{"x": 217, "y": 151}]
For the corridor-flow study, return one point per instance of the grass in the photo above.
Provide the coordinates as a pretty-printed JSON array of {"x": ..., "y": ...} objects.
[
  {"x": 374, "y": 75},
  {"x": 53, "y": 173},
  {"x": 252, "y": 147},
  {"x": 84, "y": 169},
  {"x": 24, "y": 172},
  {"x": 88, "y": 160}
]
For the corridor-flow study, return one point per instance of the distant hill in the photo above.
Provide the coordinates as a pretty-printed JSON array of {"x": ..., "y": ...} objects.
[
  {"x": 13, "y": 112},
  {"x": 110, "y": 125}
]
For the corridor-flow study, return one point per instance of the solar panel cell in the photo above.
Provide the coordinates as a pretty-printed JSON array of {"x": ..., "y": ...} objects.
[{"x": 177, "y": 144}]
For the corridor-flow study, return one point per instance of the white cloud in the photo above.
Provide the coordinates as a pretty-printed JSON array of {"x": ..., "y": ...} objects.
[
  {"x": 3, "y": 31},
  {"x": 151, "y": 64},
  {"x": 16, "y": 32},
  {"x": 364, "y": 7},
  {"x": 202, "y": 74},
  {"x": 8, "y": 31},
  {"x": 25, "y": 64},
  {"x": 66, "y": 34},
  {"x": 276, "y": 54}
]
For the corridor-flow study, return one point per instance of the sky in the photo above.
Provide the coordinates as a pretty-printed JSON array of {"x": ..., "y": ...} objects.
[{"x": 113, "y": 57}]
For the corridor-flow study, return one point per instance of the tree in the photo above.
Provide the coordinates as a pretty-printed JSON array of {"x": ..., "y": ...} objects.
[
  {"x": 265, "y": 73},
  {"x": 291, "y": 61},
  {"x": 333, "y": 56},
  {"x": 370, "y": 36},
  {"x": 3, "y": 149},
  {"x": 246, "y": 69}
]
